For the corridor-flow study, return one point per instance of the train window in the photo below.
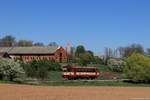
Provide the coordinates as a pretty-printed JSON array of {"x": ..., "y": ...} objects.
[
  {"x": 91, "y": 70},
  {"x": 80, "y": 70}
]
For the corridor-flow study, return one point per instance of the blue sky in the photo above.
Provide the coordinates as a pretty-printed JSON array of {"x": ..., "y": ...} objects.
[{"x": 93, "y": 23}]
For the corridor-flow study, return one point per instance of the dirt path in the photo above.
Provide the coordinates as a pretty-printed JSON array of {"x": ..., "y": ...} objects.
[{"x": 24, "y": 92}]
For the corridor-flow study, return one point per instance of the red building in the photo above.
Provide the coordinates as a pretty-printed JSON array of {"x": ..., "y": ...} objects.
[{"x": 27, "y": 54}]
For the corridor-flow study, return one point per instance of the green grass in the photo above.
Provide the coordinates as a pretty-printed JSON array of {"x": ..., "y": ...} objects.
[
  {"x": 93, "y": 83},
  {"x": 83, "y": 83},
  {"x": 55, "y": 79},
  {"x": 103, "y": 68},
  {"x": 55, "y": 76},
  {"x": 4, "y": 81}
]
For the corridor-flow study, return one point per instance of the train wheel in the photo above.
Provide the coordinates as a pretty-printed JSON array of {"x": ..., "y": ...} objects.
[
  {"x": 69, "y": 78},
  {"x": 92, "y": 78}
]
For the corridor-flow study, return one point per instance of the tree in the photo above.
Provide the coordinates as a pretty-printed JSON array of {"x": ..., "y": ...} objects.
[
  {"x": 38, "y": 44},
  {"x": 79, "y": 50},
  {"x": 121, "y": 51},
  {"x": 108, "y": 54},
  {"x": 10, "y": 69},
  {"x": 85, "y": 58},
  {"x": 134, "y": 48},
  {"x": 52, "y": 44},
  {"x": 116, "y": 64},
  {"x": 98, "y": 60},
  {"x": 137, "y": 68},
  {"x": 148, "y": 51},
  {"x": 24, "y": 43},
  {"x": 90, "y": 52},
  {"x": 7, "y": 41}
]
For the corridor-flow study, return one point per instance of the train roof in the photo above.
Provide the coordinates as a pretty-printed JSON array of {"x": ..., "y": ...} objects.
[{"x": 81, "y": 67}]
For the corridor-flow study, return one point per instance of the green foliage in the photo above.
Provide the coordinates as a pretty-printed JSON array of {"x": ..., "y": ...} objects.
[
  {"x": 137, "y": 68},
  {"x": 10, "y": 70},
  {"x": 54, "y": 66},
  {"x": 79, "y": 50},
  {"x": 90, "y": 52},
  {"x": 55, "y": 76},
  {"x": 85, "y": 58},
  {"x": 40, "y": 69},
  {"x": 102, "y": 68},
  {"x": 98, "y": 60}
]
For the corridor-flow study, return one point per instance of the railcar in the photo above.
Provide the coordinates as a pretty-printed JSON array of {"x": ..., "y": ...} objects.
[{"x": 76, "y": 72}]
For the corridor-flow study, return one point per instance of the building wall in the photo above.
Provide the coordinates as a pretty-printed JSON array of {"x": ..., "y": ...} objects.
[
  {"x": 61, "y": 55},
  {"x": 28, "y": 58}
]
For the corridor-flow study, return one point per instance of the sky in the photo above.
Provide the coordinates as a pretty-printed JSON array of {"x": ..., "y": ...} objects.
[{"x": 96, "y": 24}]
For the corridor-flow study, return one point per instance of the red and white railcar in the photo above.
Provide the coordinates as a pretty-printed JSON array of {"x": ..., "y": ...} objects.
[{"x": 74, "y": 72}]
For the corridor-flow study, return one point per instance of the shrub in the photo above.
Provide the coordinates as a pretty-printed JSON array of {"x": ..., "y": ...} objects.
[
  {"x": 40, "y": 69},
  {"x": 137, "y": 68},
  {"x": 116, "y": 65},
  {"x": 84, "y": 59},
  {"x": 10, "y": 70},
  {"x": 53, "y": 66}
]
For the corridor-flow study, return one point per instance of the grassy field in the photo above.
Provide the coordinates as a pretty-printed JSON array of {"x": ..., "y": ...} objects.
[
  {"x": 80, "y": 83},
  {"x": 93, "y": 83}
]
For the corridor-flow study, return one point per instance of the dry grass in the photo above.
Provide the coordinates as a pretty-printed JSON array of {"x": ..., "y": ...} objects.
[{"x": 25, "y": 92}]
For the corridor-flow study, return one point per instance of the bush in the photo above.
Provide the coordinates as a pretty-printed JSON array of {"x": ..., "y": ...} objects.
[
  {"x": 84, "y": 59},
  {"x": 54, "y": 66},
  {"x": 116, "y": 65},
  {"x": 10, "y": 70},
  {"x": 40, "y": 69},
  {"x": 137, "y": 68}
]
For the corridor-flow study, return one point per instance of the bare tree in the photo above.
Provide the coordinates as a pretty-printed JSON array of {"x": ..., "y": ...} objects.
[
  {"x": 38, "y": 44},
  {"x": 24, "y": 43},
  {"x": 52, "y": 44},
  {"x": 7, "y": 41},
  {"x": 108, "y": 54}
]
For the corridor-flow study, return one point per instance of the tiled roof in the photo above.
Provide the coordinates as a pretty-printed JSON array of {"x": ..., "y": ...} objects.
[{"x": 29, "y": 50}]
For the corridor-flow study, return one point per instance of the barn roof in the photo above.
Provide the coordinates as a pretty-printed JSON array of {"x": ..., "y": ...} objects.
[
  {"x": 30, "y": 50},
  {"x": 4, "y": 49}
]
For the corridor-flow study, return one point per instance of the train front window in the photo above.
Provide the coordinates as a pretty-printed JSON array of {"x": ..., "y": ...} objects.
[{"x": 65, "y": 69}]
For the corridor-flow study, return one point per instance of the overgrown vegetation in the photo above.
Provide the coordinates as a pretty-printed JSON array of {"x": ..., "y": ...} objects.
[
  {"x": 40, "y": 69},
  {"x": 137, "y": 68},
  {"x": 10, "y": 70},
  {"x": 92, "y": 83},
  {"x": 116, "y": 65},
  {"x": 84, "y": 57}
]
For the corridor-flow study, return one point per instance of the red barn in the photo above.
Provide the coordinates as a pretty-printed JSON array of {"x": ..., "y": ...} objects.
[{"x": 27, "y": 54}]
